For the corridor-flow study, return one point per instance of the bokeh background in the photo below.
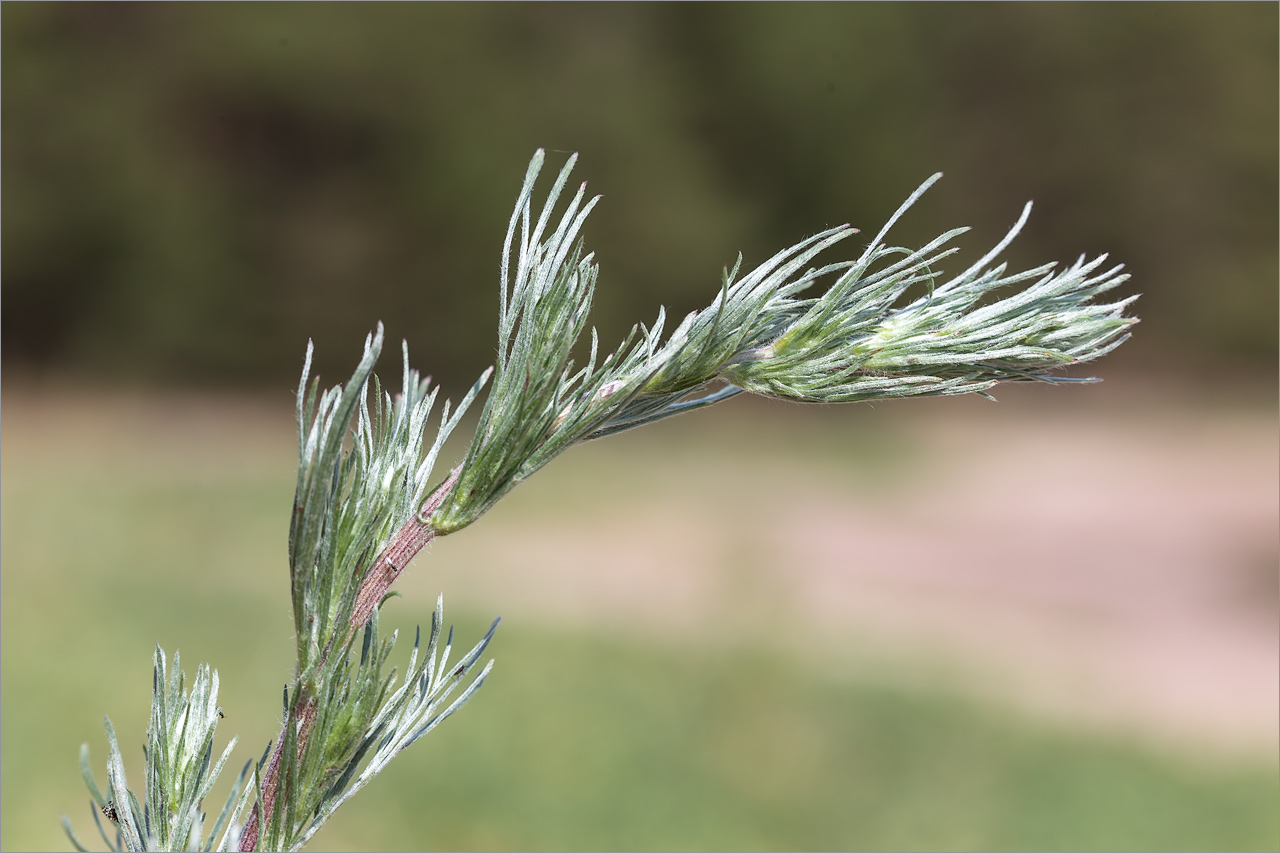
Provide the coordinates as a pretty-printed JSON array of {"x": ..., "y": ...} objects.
[{"x": 940, "y": 624}]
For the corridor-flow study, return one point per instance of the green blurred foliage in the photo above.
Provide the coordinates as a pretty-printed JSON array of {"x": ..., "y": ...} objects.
[
  {"x": 191, "y": 191},
  {"x": 595, "y": 744},
  {"x": 580, "y": 740}
]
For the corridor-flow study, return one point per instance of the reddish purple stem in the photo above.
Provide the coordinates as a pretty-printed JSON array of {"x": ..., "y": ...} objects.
[{"x": 411, "y": 538}]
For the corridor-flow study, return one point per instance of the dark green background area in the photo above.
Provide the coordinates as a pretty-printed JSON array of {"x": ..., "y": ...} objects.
[{"x": 192, "y": 191}]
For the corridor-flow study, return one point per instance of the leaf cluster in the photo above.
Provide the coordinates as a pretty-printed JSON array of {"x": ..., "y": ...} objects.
[
  {"x": 350, "y": 501},
  {"x": 855, "y": 343},
  {"x": 762, "y": 334},
  {"x": 409, "y": 711},
  {"x": 362, "y": 721},
  {"x": 180, "y": 772},
  {"x": 364, "y": 469}
]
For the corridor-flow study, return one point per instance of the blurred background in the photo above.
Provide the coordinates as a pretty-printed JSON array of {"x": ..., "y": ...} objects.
[{"x": 938, "y": 624}]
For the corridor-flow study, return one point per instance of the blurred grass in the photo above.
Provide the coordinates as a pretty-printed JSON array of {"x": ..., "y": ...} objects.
[{"x": 123, "y": 531}]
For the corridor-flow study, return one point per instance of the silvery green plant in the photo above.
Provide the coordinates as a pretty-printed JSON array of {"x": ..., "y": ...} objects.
[{"x": 887, "y": 324}]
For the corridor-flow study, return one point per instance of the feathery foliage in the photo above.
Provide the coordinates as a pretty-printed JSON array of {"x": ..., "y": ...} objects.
[
  {"x": 888, "y": 324},
  {"x": 760, "y": 334}
]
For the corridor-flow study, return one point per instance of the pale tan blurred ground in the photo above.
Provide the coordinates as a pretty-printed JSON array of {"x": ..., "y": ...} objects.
[
  {"x": 1103, "y": 555},
  {"x": 1107, "y": 564}
]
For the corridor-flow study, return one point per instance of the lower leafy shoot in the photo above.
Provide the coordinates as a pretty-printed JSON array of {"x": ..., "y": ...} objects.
[
  {"x": 888, "y": 324},
  {"x": 179, "y": 773},
  {"x": 180, "y": 744}
]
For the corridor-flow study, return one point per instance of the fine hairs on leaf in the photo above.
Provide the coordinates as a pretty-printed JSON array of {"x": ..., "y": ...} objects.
[{"x": 889, "y": 323}]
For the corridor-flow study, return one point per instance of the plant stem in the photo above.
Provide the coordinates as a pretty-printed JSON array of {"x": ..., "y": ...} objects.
[
  {"x": 306, "y": 714},
  {"x": 411, "y": 538}
]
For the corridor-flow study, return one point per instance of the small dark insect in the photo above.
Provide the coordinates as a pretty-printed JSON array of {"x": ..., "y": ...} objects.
[
  {"x": 458, "y": 671},
  {"x": 221, "y": 716},
  {"x": 109, "y": 812}
]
